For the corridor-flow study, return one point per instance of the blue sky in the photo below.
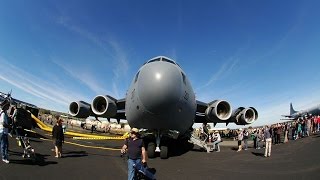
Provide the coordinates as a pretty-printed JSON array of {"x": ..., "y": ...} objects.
[{"x": 263, "y": 54}]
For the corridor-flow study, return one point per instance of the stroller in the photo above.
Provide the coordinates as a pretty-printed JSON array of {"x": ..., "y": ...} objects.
[{"x": 28, "y": 151}]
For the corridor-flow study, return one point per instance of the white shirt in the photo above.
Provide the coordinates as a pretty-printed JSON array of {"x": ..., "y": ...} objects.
[
  {"x": 3, "y": 120},
  {"x": 217, "y": 137}
]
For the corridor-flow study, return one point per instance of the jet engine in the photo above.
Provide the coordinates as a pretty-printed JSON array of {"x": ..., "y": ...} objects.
[
  {"x": 243, "y": 116},
  {"x": 104, "y": 106},
  {"x": 255, "y": 113},
  {"x": 80, "y": 109},
  {"x": 218, "y": 110}
]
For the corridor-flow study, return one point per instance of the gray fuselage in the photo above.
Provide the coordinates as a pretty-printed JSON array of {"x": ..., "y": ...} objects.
[{"x": 160, "y": 97}]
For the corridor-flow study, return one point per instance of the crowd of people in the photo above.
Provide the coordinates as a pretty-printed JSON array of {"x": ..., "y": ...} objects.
[{"x": 264, "y": 137}]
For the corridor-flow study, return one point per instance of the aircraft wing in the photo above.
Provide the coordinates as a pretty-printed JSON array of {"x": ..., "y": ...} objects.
[
  {"x": 200, "y": 113},
  {"x": 16, "y": 101},
  {"x": 121, "y": 105}
]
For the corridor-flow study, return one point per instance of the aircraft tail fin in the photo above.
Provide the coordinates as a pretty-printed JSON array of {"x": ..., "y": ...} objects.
[{"x": 292, "y": 111}]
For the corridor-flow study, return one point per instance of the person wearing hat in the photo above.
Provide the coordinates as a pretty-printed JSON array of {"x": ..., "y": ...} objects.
[
  {"x": 4, "y": 130},
  {"x": 134, "y": 146},
  {"x": 58, "y": 137},
  {"x": 217, "y": 140}
]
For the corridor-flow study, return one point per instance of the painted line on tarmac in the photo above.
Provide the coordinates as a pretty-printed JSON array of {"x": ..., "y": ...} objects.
[
  {"x": 100, "y": 138},
  {"x": 81, "y": 145}
]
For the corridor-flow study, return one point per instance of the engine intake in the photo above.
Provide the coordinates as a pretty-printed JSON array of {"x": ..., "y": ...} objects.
[
  {"x": 104, "y": 106},
  {"x": 243, "y": 116},
  {"x": 80, "y": 109},
  {"x": 218, "y": 110},
  {"x": 255, "y": 113}
]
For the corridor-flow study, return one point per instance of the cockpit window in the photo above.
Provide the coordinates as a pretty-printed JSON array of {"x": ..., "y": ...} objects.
[
  {"x": 154, "y": 60},
  {"x": 136, "y": 78},
  {"x": 183, "y": 78},
  {"x": 167, "y": 60}
]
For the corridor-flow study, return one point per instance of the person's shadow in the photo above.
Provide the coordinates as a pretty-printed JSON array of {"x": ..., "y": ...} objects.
[
  {"x": 39, "y": 159},
  {"x": 67, "y": 154},
  {"x": 258, "y": 154}
]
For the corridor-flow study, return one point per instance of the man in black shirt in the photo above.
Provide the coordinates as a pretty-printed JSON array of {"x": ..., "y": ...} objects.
[
  {"x": 58, "y": 137},
  {"x": 134, "y": 146}
]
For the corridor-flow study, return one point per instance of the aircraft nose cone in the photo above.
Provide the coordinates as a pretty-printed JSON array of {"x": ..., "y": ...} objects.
[{"x": 159, "y": 86}]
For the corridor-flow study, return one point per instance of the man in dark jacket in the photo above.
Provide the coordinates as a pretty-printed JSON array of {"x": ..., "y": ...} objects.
[{"x": 58, "y": 137}]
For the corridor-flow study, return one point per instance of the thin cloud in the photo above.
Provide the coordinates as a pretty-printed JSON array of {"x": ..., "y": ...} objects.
[
  {"x": 225, "y": 70},
  {"x": 111, "y": 47},
  {"x": 82, "y": 75},
  {"x": 33, "y": 85}
]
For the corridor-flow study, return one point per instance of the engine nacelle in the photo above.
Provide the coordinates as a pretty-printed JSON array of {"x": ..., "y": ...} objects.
[
  {"x": 255, "y": 113},
  {"x": 243, "y": 116},
  {"x": 104, "y": 106},
  {"x": 218, "y": 110},
  {"x": 80, "y": 109}
]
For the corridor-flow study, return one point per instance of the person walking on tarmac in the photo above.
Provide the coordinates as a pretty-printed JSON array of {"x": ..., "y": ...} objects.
[
  {"x": 58, "y": 137},
  {"x": 134, "y": 146}
]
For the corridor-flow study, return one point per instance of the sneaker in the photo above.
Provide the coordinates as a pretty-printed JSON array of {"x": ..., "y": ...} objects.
[{"x": 6, "y": 161}]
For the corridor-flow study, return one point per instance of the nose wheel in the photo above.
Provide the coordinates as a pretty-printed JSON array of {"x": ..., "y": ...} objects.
[
  {"x": 154, "y": 147},
  {"x": 164, "y": 152},
  {"x": 151, "y": 149}
]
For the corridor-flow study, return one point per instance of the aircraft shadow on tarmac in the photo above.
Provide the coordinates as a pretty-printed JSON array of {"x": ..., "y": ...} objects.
[
  {"x": 181, "y": 148},
  {"x": 40, "y": 159}
]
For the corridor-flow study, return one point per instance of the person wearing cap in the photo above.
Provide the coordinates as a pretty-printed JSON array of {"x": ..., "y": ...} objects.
[
  {"x": 134, "y": 146},
  {"x": 217, "y": 140},
  {"x": 58, "y": 137},
  {"x": 4, "y": 130}
]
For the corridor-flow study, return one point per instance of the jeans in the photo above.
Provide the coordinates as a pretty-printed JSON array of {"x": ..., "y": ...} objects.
[
  {"x": 216, "y": 145},
  {"x": 131, "y": 169},
  {"x": 4, "y": 145},
  {"x": 245, "y": 144},
  {"x": 256, "y": 143},
  {"x": 267, "y": 151}
]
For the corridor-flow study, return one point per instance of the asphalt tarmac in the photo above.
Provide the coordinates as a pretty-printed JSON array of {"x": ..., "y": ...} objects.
[{"x": 298, "y": 159}]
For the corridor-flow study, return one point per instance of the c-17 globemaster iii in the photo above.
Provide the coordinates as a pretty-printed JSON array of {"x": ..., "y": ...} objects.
[{"x": 161, "y": 100}]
